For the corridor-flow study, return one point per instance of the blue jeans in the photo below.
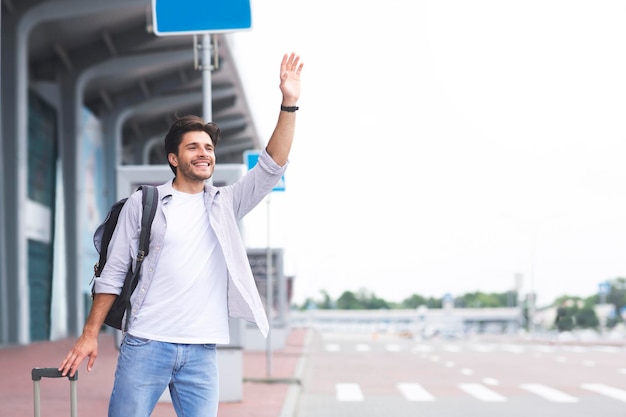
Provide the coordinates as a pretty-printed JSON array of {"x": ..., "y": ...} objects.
[{"x": 146, "y": 367}]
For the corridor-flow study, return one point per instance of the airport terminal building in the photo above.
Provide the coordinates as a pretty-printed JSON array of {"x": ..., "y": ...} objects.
[{"x": 88, "y": 92}]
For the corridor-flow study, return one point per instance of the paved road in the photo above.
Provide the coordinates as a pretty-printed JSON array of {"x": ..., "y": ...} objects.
[{"x": 390, "y": 376}]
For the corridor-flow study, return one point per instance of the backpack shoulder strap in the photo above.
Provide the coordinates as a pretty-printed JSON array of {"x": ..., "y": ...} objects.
[{"x": 150, "y": 201}]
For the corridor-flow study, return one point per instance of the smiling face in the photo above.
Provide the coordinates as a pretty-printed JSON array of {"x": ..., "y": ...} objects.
[{"x": 195, "y": 161}]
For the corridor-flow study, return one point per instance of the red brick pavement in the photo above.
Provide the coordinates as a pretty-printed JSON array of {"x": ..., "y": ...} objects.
[{"x": 262, "y": 396}]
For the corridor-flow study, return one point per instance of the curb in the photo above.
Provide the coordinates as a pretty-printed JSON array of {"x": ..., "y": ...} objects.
[{"x": 293, "y": 393}]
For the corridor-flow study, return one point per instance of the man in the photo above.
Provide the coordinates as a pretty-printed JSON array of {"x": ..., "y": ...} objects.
[{"x": 196, "y": 274}]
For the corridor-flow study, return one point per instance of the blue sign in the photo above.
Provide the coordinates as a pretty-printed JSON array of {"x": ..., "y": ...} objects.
[
  {"x": 252, "y": 157},
  {"x": 188, "y": 17},
  {"x": 604, "y": 288}
]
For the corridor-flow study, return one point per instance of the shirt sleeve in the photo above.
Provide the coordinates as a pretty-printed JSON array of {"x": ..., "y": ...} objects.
[{"x": 250, "y": 190}]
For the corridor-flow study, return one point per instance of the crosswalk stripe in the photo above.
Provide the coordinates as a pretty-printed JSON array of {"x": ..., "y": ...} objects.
[
  {"x": 615, "y": 393},
  {"x": 513, "y": 348},
  {"x": 483, "y": 348},
  {"x": 482, "y": 393},
  {"x": 348, "y": 392},
  {"x": 422, "y": 348},
  {"x": 491, "y": 381},
  {"x": 414, "y": 392},
  {"x": 549, "y": 393},
  {"x": 452, "y": 348},
  {"x": 351, "y": 392}
]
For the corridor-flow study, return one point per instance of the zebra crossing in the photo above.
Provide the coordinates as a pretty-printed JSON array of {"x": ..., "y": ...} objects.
[
  {"x": 488, "y": 390},
  {"x": 414, "y": 392}
]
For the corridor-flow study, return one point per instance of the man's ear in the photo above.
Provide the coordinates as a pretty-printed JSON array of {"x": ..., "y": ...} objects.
[{"x": 172, "y": 159}]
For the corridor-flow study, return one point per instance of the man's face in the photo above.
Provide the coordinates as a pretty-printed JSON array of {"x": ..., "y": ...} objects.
[{"x": 196, "y": 157}]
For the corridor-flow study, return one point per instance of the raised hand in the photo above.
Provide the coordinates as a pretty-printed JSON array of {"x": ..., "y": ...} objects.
[{"x": 290, "y": 69}]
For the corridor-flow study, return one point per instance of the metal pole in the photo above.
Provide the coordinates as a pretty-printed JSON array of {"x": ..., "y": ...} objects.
[
  {"x": 37, "y": 398},
  {"x": 206, "y": 68},
  {"x": 269, "y": 292},
  {"x": 206, "y": 78},
  {"x": 74, "y": 398}
]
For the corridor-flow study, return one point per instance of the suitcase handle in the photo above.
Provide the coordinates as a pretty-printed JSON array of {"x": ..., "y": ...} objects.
[{"x": 39, "y": 373}]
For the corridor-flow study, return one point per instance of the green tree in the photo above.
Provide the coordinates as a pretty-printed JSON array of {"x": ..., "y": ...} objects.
[
  {"x": 482, "y": 300},
  {"x": 327, "y": 302},
  {"x": 576, "y": 312},
  {"x": 564, "y": 320},
  {"x": 414, "y": 301},
  {"x": 417, "y": 300},
  {"x": 362, "y": 300},
  {"x": 349, "y": 301},
  {"x": 586, "y": 318},
  {"x": 370, "y": 301}
]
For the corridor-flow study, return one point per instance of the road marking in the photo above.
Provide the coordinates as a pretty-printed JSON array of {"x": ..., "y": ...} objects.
[
  {"x": 466, "y": 371},
  {"x": 615, "y": 393},
  {"x": 482, "y": 393},
  {"x": 575, "y": 349},
  {"x": 622, "y": 371},
  {"x": 483, "y": 348},
  {"x": 348, "y": 392},
  {"x": 589, "y": 364},
  {"x": 608, "y": 349},
  {"x": 393, "y": 348},
  {"x": 422, "y": 349},
  {"x": 543, "y": 348},
  {"x": 550, "y": 394},
  {"x": 363, "y": 347},
  {"x": 449, "y": 364},
  {"x": 333, "y": 347},
  {"x": 414, "y": 392},
  {"x": 513, "y": 348},
  {"x": 491, "y": 381},
  {"x": 452, "y": 348}
]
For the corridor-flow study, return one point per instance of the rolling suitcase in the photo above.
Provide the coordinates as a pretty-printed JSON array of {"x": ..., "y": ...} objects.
[{"x": 39, "y": 373}]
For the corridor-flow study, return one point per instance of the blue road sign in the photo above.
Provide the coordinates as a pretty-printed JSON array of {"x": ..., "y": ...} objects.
[
  {"x": 604, "y": 288},
  {"x": 189, "y": 17},
  {"x": 252, "y": 157}
]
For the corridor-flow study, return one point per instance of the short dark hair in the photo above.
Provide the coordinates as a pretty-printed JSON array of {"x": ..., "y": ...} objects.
[{"x": 186, "y": 124}]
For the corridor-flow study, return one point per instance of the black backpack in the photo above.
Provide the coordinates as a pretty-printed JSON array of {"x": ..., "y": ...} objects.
[{"x": 101, "y": 239}]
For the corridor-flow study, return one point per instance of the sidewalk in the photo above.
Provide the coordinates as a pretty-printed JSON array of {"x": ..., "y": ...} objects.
[{"x": 262, "y": 396}]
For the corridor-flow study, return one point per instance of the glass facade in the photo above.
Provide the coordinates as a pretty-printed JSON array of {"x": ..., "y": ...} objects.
[{"x": 42, "y": 158}]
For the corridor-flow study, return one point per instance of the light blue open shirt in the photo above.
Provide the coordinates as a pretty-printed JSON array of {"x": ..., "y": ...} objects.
[{"x": 225, "y": 207}]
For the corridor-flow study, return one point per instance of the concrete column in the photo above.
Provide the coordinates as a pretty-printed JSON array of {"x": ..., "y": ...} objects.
[
  {"x": 14, "y": 105},
  {"x": 70, "y": 150},
  {"x": 10, "y": 297}
]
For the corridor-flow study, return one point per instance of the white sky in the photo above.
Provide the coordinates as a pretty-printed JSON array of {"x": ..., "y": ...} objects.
[{"x": 445, "y": 146}]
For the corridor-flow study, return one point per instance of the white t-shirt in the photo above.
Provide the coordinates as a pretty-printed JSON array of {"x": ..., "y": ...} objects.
[{"x": 186, "y": 302}]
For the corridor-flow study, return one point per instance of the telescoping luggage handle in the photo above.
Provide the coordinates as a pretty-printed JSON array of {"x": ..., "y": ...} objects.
[{"x": 39, "y": 373}]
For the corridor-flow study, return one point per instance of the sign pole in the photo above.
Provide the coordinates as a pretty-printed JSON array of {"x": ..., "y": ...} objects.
[
  {"x": 206, "y": 78},
  {"x": 206, "y": 68},
  {"x": 252, "y": 157},
  {"x": 269, "y": 292}
]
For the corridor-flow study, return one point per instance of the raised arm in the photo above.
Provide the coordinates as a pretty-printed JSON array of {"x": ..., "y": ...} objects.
[{"x": 280, "y": 142}]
